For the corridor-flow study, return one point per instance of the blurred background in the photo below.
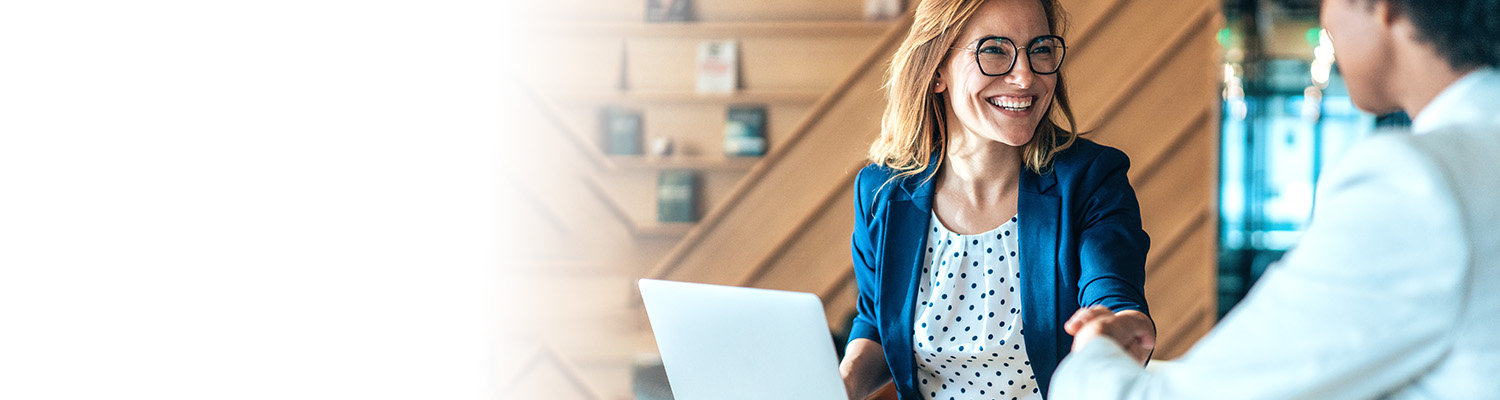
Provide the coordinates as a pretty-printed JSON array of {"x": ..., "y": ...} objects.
[{"x": 716, "y": 141}]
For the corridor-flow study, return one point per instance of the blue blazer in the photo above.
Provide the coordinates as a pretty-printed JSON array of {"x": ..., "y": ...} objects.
[{"x": 1082, "y": 243}]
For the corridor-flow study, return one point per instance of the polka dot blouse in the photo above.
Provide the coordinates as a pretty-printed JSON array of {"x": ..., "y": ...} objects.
[{"x": 968, "y": 341}]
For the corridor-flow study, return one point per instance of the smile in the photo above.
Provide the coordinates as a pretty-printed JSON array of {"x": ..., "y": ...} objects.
[{"x": 1012, "y": 103}]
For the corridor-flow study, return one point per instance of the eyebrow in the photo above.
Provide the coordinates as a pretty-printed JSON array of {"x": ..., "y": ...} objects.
[{"x": 981, "y": 39}]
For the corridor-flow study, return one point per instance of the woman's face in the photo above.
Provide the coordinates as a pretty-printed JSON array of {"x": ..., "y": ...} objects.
[{"x": 1006, "y": 108}]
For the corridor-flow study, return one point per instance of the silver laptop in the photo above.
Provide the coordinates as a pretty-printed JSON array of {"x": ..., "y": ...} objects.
[{"x": 732, "y": 343}]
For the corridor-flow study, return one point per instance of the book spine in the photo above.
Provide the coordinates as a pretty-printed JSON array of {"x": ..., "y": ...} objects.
[{"x": 676, "y": 196}]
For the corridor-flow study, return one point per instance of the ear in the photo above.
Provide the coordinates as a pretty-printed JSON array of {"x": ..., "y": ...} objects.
[
  {"x": 939, "y": 84},
  {"x": 1384, "y": 13}
]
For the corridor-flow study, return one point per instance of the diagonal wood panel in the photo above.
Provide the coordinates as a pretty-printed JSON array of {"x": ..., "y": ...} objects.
[
  {"x": 802, "y": 266},
  {"x": 860, "y": 91}
]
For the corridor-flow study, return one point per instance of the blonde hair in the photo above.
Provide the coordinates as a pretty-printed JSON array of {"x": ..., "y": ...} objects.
[{"x": 912, "y": 127}]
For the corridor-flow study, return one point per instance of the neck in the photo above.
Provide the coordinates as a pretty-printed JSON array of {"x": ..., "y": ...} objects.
[
  {"x": 1420, "y": 92},
  {"x": 982, "y": 169},
  {"x": 1421, "y": 73}
]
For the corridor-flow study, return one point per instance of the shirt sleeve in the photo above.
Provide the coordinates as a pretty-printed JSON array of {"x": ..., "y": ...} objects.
[
  {"x": 1360, "y": 307},
  {"x": 1112, "y": 244},
  {"x": 865, "y": 265}
]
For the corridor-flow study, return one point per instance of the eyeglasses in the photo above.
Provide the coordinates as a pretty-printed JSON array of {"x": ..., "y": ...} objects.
[{"x": 996, "y": 55}]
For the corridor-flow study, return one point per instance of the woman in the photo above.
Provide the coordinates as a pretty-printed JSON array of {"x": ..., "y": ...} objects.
[{"x": 982, "y": 225}]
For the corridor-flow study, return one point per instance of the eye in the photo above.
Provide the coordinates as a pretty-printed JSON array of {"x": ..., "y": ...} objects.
[
  {"x": 1041, "y": 50},
  {"x": 991, "y": 49}
]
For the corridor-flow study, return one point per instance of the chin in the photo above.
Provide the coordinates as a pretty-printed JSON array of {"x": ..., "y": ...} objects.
[
  {"x": 1014, "y": 139},
  {"x": 1374, "y": 106}
]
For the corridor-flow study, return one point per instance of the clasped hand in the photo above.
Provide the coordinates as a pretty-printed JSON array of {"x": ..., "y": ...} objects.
[{"x": 1131, "y": 329}]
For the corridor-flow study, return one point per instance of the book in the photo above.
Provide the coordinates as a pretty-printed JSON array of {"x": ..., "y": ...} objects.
[
  {"x": 718, "y": 66},
  {"x": 676, "y": 196},
  {"x": 882, "y": 10},
  {"x": 622, "y": 131},
  {"x": 745, "y": 131},
  {"x": 669, "y": 10}
]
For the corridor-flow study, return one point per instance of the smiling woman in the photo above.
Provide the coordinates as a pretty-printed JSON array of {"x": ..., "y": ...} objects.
[
  {"x": 915, "y": 118},
  {"x": 982, "y": 224}
]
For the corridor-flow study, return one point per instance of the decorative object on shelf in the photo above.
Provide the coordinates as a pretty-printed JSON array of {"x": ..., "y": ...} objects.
[
  {"x": 661, "y": 146},
  {"x": 883, "y": 10},
  {"x": 669, "y": 10},
  {"x": 622, "y": 131},
  {"x": 718, "y": 66},
  {"x": 745, "y": 131},
  {"x": 676, "y": 196},
  {"x": 624, "y": 79}
]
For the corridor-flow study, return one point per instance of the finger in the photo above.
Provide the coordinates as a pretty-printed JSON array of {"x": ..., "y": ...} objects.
[
  {"x": 1084, "y": 316},
  {"x": 1074, "y": 324},
  {"x": 1148, "y": 340},
  {"x": 1138, "y": 353}
]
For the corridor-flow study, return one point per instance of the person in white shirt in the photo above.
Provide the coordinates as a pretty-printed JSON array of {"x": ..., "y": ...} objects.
[{"x": 1394, "y": 291}]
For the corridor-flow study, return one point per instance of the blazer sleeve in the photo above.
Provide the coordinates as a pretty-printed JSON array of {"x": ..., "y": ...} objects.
[
  {"x": 866, "y": 265},
  {"x": 1112, "y": 245},
  {"x": 1364, "y": 303}
]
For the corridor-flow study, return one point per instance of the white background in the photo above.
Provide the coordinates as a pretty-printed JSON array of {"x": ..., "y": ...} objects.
[{"x": 249, "y": 199}]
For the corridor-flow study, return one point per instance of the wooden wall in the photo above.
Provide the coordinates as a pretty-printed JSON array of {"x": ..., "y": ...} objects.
[{"x": 1144, "y": 76}]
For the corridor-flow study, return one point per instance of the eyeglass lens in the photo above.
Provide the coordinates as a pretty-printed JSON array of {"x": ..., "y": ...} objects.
[{"x": 996, "y": 56}]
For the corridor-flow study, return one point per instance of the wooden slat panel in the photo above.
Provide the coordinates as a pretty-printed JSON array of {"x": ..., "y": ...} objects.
[
  {"x": 769, "y": 209},
  {"x": 1131, "y": 46},
  {"x": 839, "y": 299},
  {"x": 1178, "y": 289},
  {"x": 857, "y": 82},
  {"x": 801, "y": 266}
]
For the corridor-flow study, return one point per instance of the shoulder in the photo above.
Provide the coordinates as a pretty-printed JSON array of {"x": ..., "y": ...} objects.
[
  {"x": 1400, "y": 178},
  {"x": 1396, "y": 157},
  {"x": 1085, "y": 154},
  {"x": 877, "y": 181},
  {"x": 872, "y": 177}
]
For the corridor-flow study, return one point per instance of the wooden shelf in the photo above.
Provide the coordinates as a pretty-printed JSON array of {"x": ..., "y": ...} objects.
[
  {"x": 684, "y": 97},
  {"x": 722, "y": 29},
  {"x": 638, "y": 228},
  {"x": 662, "y": 229},
  {"x": 685, "y": 162}
]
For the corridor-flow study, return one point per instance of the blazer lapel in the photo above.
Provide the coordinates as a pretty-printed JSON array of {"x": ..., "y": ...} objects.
[
  {"x": 905, "y": 240},
  {"x": 1040, "y": 213}
]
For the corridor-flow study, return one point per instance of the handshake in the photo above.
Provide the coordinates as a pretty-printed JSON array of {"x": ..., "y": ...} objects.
[{"x": 1132, "y": 329}]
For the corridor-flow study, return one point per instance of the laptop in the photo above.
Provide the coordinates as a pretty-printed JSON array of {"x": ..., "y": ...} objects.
[{"x": 733, "y": 343}]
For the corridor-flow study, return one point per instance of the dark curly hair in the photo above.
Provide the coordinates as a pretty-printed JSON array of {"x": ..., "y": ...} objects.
[{"x": 1466, "y": 33}]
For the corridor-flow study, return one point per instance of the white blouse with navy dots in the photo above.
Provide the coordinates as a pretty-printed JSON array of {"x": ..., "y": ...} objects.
[{"x": 968, "y": 323}]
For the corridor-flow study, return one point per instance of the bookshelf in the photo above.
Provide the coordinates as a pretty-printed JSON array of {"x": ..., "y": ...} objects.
[
  {"x": 644, "y": 229},
  {"x": 665, "y": 97},
  {"x": 703, "y": 163},
  {"x": 630, "y": 30}
]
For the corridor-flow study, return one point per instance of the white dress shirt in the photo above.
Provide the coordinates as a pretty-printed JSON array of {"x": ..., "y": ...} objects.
[{"x": 1393, "y": 292}]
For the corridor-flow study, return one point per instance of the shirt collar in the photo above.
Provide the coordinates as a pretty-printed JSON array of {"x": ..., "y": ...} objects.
[{"x": 1469, "y": 99}]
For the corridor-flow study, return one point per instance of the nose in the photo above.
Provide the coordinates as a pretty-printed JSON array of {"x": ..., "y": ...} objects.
[{"x": 1020, "y": 74}]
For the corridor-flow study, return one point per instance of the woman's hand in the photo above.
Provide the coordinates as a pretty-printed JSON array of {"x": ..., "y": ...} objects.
[
  {"x": 1132, "y": 329},
  {"x": 863, "y": 368}
]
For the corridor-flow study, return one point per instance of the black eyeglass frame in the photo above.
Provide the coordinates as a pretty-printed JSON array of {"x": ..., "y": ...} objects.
[{"x": 1016, "y": 54}]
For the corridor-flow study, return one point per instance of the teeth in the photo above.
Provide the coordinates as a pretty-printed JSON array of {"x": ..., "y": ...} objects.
[{"x": 1012, "y": 103}]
